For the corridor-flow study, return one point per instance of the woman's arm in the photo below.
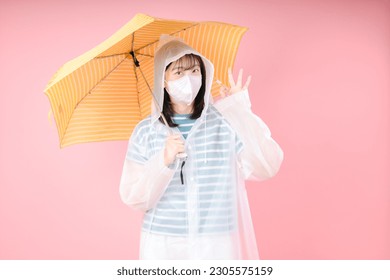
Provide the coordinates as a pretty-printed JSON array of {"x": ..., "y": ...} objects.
[
  {"x": 261, "y": 157},
  {"x": 143, "y": 180}
]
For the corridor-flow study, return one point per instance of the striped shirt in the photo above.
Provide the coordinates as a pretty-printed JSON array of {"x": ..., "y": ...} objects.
[
  {"x": 185, "y": 123},
  {"x": 206, "y": 202}
]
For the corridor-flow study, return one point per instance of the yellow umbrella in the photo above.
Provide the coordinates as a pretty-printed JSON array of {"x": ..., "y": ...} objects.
[{"x": 102, "y": 94}]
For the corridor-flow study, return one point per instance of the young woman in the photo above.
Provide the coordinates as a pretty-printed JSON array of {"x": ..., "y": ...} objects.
[{"x": 196, "y": 207}]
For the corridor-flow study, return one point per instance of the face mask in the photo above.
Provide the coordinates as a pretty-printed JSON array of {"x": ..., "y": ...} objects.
[{"x": 185, "y": 89}]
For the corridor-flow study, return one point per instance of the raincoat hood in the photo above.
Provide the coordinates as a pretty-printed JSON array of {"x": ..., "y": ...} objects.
[{"x": 171, "y": 49}]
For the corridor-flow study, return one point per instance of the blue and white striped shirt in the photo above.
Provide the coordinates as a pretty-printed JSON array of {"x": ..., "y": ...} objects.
[{"x": 185, "y": 123}]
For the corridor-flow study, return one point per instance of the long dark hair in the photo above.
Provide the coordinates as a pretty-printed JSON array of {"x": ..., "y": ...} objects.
[{"x": 199, "y": 99}]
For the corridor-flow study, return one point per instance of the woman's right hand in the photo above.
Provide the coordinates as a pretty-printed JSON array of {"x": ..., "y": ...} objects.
[{"x": 173, "y": 145}]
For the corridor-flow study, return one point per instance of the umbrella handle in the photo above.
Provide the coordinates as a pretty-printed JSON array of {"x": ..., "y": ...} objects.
[{"x": 180, "y": 156}]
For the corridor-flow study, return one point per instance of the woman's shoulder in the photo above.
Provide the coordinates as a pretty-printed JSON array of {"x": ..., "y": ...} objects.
[
  {"x": 145, "y": 121},
  {"x": 142, "y": 126},
  {"x": 215, "y": 116},
  {"x": 213, "y": 112}
]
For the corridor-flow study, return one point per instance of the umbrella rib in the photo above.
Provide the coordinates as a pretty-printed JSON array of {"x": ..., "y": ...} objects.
[
  {"x": 103, "y": 78},
  {"x": 111, "y": 55},
  {"x": 148, "y": 55},
  {"x": 136, "y": 84},
  {"x": 152, "y": 43},
  {"x": 117, "y": 54},
  {"x": 92, "y": 90},
  {"x": 135, "y": 70}
]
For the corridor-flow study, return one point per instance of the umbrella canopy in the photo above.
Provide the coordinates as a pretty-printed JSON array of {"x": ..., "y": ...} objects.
[{"x": 102, "y": 94}]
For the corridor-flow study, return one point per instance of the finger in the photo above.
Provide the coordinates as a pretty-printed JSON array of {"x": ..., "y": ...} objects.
[
  {"x": 228, "y": 91},
  {"x": 180, "y": 150},
  {"x": 239, "y": 79},
  {"x": 175, "y": 136},
  {"x": 177, "y": 140},
  {"x": 172, "y": 140},
  {"x": 178, "y": 147},
  {"x": 180, "y": 141},
  {"x": 223, "y": 90},
  {"x": 230, "y": 76},
  {"x": 248, "y": 81}
]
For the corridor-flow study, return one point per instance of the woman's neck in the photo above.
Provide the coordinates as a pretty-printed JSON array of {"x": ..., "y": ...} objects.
[{"x": 183, "y": 108}]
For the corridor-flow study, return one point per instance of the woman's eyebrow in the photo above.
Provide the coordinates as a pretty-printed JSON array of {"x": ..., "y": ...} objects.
[{"x": 181, "y": 67}]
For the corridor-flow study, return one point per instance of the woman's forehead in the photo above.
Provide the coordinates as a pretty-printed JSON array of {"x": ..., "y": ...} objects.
[{"x": 185, "y": 62}]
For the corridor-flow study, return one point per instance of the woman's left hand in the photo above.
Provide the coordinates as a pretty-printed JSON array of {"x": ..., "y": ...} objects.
[{"x": 234, "y": 87}]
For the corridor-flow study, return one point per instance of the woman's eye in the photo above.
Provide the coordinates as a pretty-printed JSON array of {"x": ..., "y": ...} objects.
[
  {"x": 178, "y": 73},
  {"x": 195, "y": 70}
]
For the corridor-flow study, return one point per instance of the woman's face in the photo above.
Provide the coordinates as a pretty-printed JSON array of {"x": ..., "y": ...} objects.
[
  {"x": 189, "y": 68},
  {"x": 182, "y": 66}
]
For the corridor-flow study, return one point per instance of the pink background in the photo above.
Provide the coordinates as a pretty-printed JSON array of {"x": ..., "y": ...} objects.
[{"x": 321, "y": 72}]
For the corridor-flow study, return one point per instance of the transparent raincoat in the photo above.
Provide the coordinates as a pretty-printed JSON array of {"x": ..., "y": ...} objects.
[{"x": 199, "y": 210}]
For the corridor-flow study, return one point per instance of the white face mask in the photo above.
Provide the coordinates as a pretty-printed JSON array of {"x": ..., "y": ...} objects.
[{"x": 185, "y": 89}]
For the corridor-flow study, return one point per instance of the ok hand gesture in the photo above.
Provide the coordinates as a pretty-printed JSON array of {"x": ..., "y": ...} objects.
[{"x": 234, "y": 87}]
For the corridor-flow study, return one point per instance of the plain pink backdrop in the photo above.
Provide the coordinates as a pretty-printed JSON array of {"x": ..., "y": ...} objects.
[{"x": 321, "y": 72}]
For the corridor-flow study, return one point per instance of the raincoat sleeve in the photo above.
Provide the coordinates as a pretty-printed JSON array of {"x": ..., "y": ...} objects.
[
  {"x": 261, "y": 156},
  {"x": 143, "y": 180}
]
